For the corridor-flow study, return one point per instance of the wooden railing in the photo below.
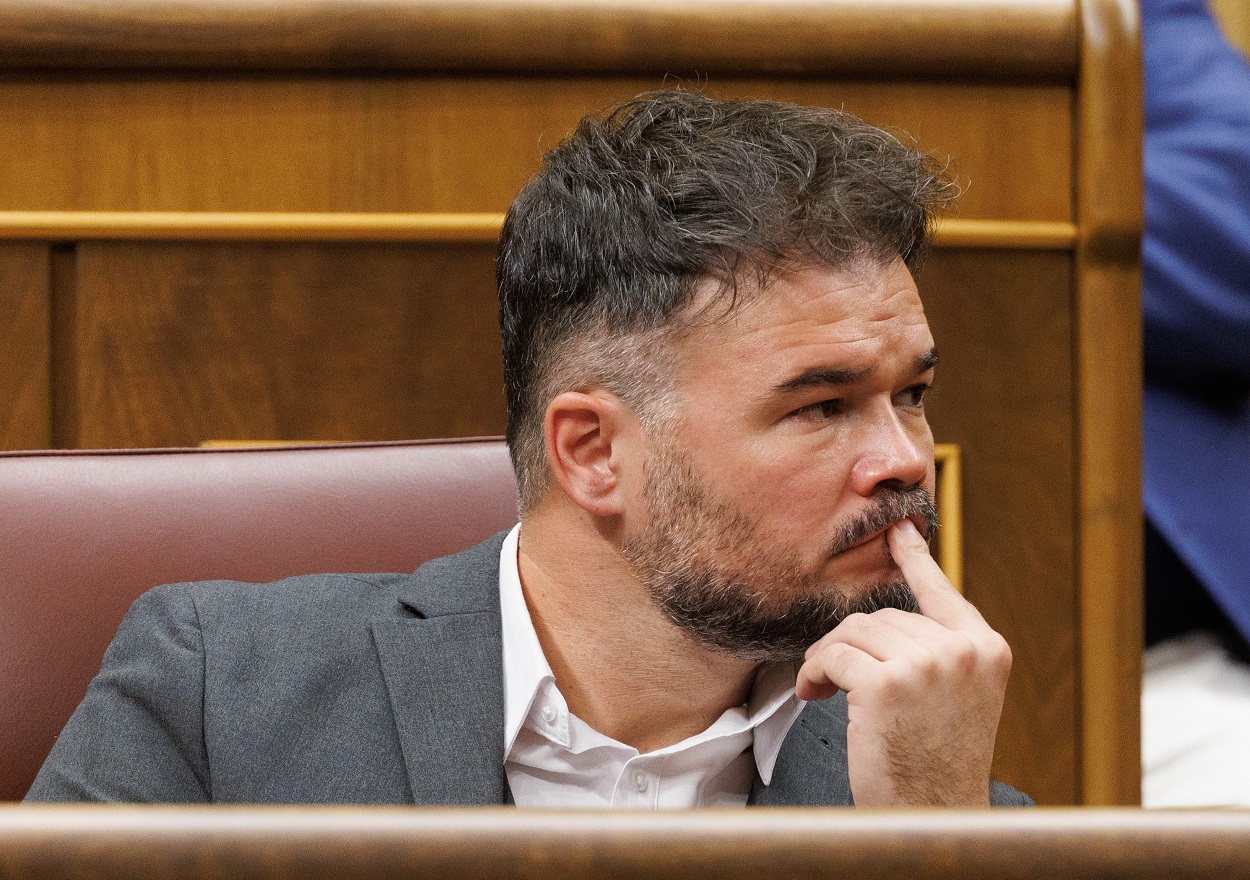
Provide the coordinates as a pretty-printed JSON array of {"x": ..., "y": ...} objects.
[
  {"x": 996, "y": 39},
  {"x": 496, "y": 843}
]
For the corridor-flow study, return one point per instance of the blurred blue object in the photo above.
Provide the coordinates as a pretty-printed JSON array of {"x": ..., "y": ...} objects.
[{"x": 1196, "y": 303}]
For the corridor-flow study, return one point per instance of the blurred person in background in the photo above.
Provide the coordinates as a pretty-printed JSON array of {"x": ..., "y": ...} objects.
[{"x": 1196, "y": 456}]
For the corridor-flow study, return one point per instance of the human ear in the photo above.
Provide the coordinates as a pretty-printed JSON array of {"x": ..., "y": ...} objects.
[{"x": 584, "y": 432}]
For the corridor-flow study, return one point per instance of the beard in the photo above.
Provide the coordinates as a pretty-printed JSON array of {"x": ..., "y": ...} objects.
[{"x": 720, "y": 576}]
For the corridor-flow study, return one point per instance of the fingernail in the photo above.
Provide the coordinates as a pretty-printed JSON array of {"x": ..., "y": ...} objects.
[{"x": 907, "y": 527}]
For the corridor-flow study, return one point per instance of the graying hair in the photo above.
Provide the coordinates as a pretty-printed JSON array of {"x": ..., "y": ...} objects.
[{"x": 603, "y": 249}]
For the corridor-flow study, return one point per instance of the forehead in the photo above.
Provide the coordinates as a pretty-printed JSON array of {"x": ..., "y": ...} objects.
[{"x": 863, "y": 316}]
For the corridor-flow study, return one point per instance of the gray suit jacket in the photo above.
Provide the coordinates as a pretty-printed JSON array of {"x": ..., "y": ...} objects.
[{"x": 384, "y": 689}]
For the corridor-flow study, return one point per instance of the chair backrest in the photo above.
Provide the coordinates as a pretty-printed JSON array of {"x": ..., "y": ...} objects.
[{"x": 83, "y": 534}]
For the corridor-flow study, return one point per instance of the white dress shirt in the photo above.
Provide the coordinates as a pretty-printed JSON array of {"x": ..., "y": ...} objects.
[
  {"x": 1195, "y": 713},
  {"x": 554, "y": 759}
]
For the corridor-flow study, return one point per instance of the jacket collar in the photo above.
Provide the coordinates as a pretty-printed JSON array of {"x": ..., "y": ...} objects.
[{"x": 444, "y": 675}]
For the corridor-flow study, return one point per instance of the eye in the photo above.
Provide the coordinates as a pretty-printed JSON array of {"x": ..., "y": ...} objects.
[
  {"x": 914, "y": 396},
  {"x": 825, "y": 409}
]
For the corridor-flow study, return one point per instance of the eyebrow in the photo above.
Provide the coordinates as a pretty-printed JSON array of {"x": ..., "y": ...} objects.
[
  {"x": 927, "y": 361},
  {"x": 823, "y": 376},
  {"x": 814, "y": 377}
]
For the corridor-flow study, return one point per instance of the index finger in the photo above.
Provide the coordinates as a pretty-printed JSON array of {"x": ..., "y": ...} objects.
[{"x": 938, "y": 600}]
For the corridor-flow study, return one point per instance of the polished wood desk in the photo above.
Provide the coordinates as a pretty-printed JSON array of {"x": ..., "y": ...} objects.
[{"x": 498, "y": 843}]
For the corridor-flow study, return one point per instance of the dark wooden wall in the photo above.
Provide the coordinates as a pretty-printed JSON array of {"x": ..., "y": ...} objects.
[{"x": 226, "y": 222}]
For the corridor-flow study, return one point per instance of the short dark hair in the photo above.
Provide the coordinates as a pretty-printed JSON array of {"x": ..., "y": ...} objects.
[{"x": 604, "y": 246}]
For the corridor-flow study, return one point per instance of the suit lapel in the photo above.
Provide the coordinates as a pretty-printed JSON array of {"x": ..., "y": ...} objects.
[
  {"x": 444, "y": 675},
  {"x": 811, "y": 767}
]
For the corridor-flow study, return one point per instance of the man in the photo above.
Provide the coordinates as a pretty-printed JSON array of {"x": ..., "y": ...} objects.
[{"x": 716, "y": 364}]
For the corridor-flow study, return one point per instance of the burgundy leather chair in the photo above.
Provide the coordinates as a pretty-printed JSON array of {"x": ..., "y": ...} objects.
[{"x": 82, "y": 534}]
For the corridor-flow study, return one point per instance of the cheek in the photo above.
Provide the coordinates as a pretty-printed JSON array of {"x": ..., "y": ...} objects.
[{"x": 800, "y": 494}]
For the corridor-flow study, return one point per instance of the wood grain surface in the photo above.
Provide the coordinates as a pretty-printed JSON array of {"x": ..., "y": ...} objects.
[
  {"x": 178, "y": 343},
  {"x": 455, "y": 144},
  {"x": 493, "y": 843},
  {"x": 960, "y": 38},
  {"x": 1004, "y": 393},
  {"x": 1109, "y": 358},
  {"x": 25, "y": 340}
]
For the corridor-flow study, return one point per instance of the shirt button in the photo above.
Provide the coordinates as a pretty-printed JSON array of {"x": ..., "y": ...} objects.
[
  {"x": 640, "y": 780},
  {"x": 549, "y": 714}
]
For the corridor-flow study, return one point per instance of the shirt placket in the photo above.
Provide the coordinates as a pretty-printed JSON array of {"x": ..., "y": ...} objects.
[{"x": 638, "y": 785}]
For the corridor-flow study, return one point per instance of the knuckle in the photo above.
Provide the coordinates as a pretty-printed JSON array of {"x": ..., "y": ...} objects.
[
  {"x": 891, "y": 615},
  {"x": 924, "y": 669},
  {"x": 931, "y": 665},
  {"x": 829, "y": 653},
  {"x": 892, "y": 684},
  {"x": 964, "y": 656},
  {"x": 856, "y": 623},
  {"x": 1001, "y": 656},
  {"x": 855, "y": 619},
  {"x": 836, "y": 659},
  {"x": 993, "y": 654}
]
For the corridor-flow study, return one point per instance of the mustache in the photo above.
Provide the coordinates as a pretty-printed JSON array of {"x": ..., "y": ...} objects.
[{"x": 888, "y": 507}]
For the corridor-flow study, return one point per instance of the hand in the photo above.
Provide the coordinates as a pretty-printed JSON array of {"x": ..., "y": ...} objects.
[{"x": 924, "y": 691}]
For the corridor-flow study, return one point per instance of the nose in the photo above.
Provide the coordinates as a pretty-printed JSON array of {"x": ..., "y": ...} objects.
[{"x": 896, "y": 452}]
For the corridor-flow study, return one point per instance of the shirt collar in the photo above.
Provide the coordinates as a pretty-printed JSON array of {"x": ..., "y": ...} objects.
[
  {"x": 772, "y": 707},
  {"x": 525, "y": 667}
]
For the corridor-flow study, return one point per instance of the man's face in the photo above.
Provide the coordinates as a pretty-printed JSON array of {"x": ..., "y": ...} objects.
[{"x": 800, "y": 437}]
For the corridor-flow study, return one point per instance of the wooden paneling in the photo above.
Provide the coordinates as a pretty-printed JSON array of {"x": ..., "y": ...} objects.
[
  {"x": 446, "y": 144},
  {"x": 179, "y": 343},
  {"x": 999, "y": 39},
  {"x": 1004, "y": 394},
  {"x": 25, "y": 339},
  {"x": 1109, "y": 358}
]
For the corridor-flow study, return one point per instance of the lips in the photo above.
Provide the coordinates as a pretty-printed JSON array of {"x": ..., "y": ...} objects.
[{"x": 867, "y": 539}]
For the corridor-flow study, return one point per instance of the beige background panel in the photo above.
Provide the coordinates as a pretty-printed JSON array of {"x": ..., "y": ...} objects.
[
  {"x": 181, "y": 343},
  {"x": 25, "y": 340},
  {"x": 1004, "y": 394},
  {"x": 385, "y": 143}
]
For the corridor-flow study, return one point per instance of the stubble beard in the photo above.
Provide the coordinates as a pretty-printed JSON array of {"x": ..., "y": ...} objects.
[{"x": 717, "y": 574}]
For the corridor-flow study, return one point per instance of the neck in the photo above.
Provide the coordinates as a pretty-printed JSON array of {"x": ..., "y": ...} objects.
[{"x": 622, "y": 666}]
